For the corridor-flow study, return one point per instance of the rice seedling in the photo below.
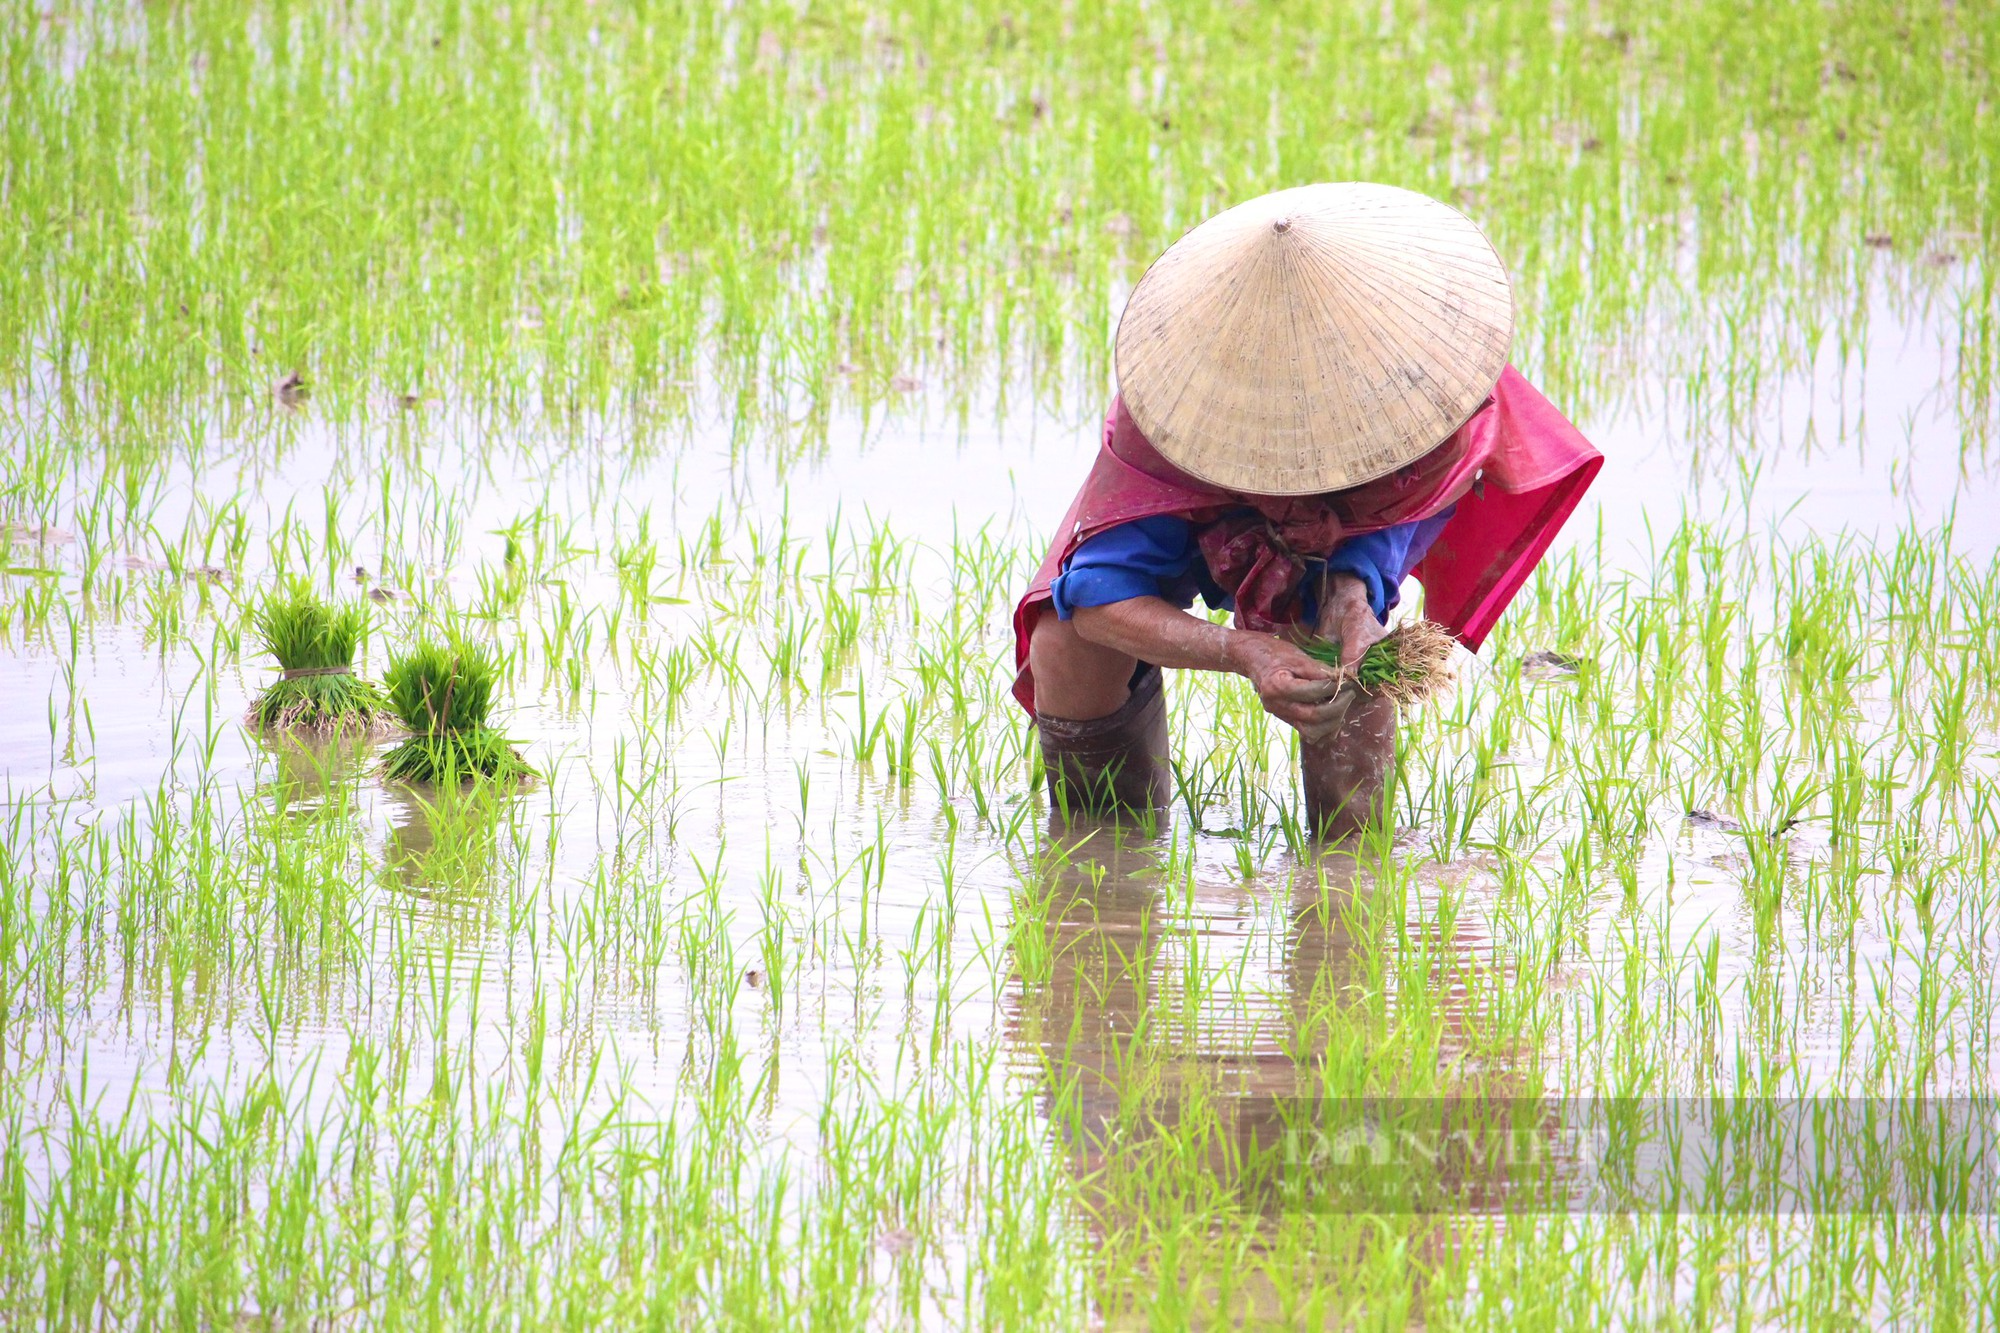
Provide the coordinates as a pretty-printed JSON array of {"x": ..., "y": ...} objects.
[
  {"x": 442, "y": 690},
  {"x": 1410, "y": 664},
  {"x": 316, "y": 691}
]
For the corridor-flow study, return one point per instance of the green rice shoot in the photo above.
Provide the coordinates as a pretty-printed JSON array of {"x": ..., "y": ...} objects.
[
  {"x": 1409, "y": 664},
  {"x": 443, "y": 692},
  {"x": 315, "y": 642}
]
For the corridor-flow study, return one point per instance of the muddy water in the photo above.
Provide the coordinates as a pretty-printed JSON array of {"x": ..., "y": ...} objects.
[
  {"x": 1868, "y": 446},
  {"x": 769, "y": 811}
]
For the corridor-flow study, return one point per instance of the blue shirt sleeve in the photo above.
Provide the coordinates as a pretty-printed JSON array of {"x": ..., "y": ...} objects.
[
  {"x": 1148, "y": 557},
  {"x": 1382, "y": 560},
  {"x": 1161, "y": 557}
]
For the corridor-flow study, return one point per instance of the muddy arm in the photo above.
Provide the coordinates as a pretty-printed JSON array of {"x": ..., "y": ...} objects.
[{"x": 1293, "y": 687}]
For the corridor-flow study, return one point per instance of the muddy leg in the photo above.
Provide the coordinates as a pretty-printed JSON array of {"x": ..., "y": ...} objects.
[
  {"x": 1111, "y": 765},
  {"x": 1350, "y": 774},
  {"x": 1103, "y": 723}
]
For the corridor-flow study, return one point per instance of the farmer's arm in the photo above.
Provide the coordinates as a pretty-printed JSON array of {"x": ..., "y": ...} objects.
[
  {"x": 1365, "y": 581},
  {"x": 1113, "y": 589},
  {"x": 1292, "y": 686},
  {"x": 1382, "y": 560}
]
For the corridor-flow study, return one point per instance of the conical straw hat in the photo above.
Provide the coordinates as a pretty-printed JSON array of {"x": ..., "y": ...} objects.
[{"x": 1315, "y": 338}]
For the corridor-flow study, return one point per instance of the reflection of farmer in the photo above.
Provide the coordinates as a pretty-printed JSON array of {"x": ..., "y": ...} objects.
[
  {"x": 1286, "y": 372},
  {"x": 1222, "y": 1135}
]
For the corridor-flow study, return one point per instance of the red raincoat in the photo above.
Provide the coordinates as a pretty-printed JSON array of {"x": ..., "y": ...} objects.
[{"x": 1516, "y": 470}]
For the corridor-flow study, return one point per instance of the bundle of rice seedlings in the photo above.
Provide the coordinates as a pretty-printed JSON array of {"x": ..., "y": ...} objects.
[
  {"x": 1411, "y": 663},
  {"x": 314, "y": 643},
  {"x": 443, "y": 692}
]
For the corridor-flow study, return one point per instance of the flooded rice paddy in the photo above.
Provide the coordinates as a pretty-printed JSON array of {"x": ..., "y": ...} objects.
[{"x": 725, "y": 373}]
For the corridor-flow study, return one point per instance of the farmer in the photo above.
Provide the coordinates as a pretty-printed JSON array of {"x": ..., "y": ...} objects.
[{"x": 1314, "y": 402}]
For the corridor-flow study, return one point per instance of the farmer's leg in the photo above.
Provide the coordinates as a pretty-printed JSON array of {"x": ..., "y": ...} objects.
[
  {"x": 1074, "y": 677},
  {"x": 1348, "y": 775},
  {"x": 1102, "y": 715}
]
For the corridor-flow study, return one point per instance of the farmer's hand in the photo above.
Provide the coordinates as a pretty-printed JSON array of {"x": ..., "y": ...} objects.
[
  {"x": 1347, "y": 617},
  {"x": 1293, "y": 687}
]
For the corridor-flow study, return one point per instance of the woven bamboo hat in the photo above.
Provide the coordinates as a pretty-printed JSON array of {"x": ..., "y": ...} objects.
[{"x": 1315, "y": 338}]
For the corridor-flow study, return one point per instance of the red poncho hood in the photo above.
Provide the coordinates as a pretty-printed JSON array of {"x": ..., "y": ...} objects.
[{"x": 1516, "y": 470}]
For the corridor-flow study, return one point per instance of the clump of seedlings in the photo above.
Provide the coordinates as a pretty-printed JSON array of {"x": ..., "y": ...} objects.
[
  {"x": 314, "y": 642},
  {"x": 1411, "y": 663},
  {"x": 443, "y": 692}
]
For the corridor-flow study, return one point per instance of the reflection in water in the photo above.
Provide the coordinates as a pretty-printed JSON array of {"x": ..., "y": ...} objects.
[
  {"x": 313, "y": 777},
  {"x": 444, "y": 840},
  {"x": 1191, "y": 1082}
]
